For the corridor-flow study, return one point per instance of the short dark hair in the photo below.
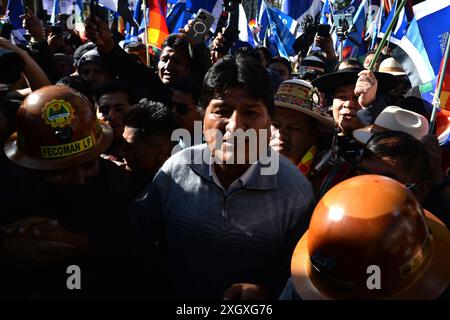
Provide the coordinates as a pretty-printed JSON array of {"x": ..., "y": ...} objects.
[
  {"x": 351, "y": 62},
  {"x": 79, "y": 84},
  {"x": 283, "y": 61},
  {"x": 150, "y": 117},
  {"x": 402, "y": 147},
  {"x": 198, "y": 56},
  {"x": 248, "y": 52},
  {"x": 265, "y": 53},
  {"x": 134, "y": 46},
  {"x": 114, "y": 86},
  {"x": 237, "y": 72}
]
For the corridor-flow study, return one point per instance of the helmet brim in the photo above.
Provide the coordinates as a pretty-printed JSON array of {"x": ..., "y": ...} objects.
[
  {"x": 430, "y": 285},
  {"x": 17, "y": 156}
]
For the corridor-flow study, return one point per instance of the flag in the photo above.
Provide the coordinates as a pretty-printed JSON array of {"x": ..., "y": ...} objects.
[
  {"x": 280, "y": 33},
  {"x": 183, "y": 10},
  {"x": 263, "y": 20},
  {"x": 245, "y": 33},
  {"x": 132, "y": 31},
  {"x": 178, "y": 16},
  {"x": 428, "y": 89},
  {"x": 157, "y": 30},
  {"x": 378, "y": 20},
  {"x": 413, "y": 57},
  {"x": 14, "y": 9},
  {"x": 80, "y": 5},
  {"x": 443, "y": 127},
  {"x": 350, "y": 9},
  {"x": 351, "y": 49},
  {"x": 400, "y": 28},
  {"x": 325, "y": 14},
  {"x": 433, "y": 20},
  {"x": 56, "y": 10},
  {"x": 387, "y": 6},
  {"x": 124, "y": 11},
  {"x": 112, "y": 5},
  {"x": 301, "y": 11}
]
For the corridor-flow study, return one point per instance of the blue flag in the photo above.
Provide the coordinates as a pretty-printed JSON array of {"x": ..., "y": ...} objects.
[
  {"x": 14, "y": 10},
  {"x": 377, "y": 20},
  {"x": 81, "y": 6},
  {"x": 56, "y": 10},
  {"x": 263, "y": 20},
  {"x": 295, "y": 8},
  {"x": 280, "y": 35},
  {"x": 400, "y": 28},
  {"x": 433, "y": 20},
  {"x": 245, "y": 34},
  {"x": 302, "y": 10},
  {"x": 413, "y": 57},
  {"x": 351, "y": 8},
  {"x": 351, "y": 49},
  {"x": 325, "y": 14},
  {"x": 132, "y": 31},
  {"x": 184, "y": 10},
  {"x": 178, "y": 16}
]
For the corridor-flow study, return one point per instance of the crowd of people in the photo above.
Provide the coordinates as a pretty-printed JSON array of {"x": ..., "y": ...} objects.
[{"x": 205, "y": 175}]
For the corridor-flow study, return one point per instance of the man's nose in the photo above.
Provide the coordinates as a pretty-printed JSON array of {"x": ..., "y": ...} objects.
[
  {"x": 350, "y": 104},
  {"x": 235, "y": 122},
  {"x": 113, "y": 114}
]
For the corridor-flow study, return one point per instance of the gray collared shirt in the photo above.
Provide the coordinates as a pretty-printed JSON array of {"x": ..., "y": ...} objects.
[{"x": 212, "y": 238}]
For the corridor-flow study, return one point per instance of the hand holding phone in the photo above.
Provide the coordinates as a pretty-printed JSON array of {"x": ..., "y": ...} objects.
[
  {"x": 56, "y": 30},
  {"x": 231, "y": 35},
  {"x": 200, "y": 27},
  {"x": 323, "y": 30}
]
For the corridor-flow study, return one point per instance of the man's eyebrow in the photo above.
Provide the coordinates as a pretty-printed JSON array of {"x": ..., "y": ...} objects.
[{"x": 254, "y": 105}]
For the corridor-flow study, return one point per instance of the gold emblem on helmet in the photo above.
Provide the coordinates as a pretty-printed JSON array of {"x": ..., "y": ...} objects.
[{"x": 58, "y": 113}]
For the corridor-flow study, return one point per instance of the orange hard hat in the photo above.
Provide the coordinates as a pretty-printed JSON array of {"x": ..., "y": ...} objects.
[
  {"x": 366, "y": 225},
  {"x": 57, "y": 128}
]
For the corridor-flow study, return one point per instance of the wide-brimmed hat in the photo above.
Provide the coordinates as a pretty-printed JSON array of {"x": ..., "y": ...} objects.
[
  {"x": 394, "y": 118},
  {"x": 330, "y": 82},
  {"x": 299, "y": 95},
  {"x": 390, "y": 65},
  {"x": 416, "y": 265}
]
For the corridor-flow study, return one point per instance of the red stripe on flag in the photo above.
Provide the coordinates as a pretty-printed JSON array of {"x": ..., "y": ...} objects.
[{"x": 157, "y": 30}]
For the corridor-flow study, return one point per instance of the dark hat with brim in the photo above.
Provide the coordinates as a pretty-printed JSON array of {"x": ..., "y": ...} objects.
[{"x": 328, "y": 83}]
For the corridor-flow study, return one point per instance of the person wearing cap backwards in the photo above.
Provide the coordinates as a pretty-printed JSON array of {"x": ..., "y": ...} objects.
[
  {"x": 225, "y": 221},
  {"x": 69, "y": 208},
  {"x": 297, "y": 122},
  {"x": 385, "y": 248}
]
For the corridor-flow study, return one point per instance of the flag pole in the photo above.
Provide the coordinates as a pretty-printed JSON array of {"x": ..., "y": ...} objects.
[
  {"x": 437, "y": 94},
  {"x": 144, "y": 8},
  {"x": 386, "y": 35}
]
